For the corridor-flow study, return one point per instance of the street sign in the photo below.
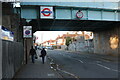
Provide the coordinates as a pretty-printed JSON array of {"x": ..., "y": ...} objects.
[
  {"x": 6, "y": 34},
  {"x": 27, "y": 31},
  {"x": 46, "y": 12},
  {"x": 79, "y": 14}
]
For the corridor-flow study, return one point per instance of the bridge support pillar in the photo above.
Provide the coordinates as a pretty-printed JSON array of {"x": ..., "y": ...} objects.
[
  {"x": 0, "y": 56},
  {"x": 107, "y": 41},
  {"x": 0, "y": 41},
  {"x": 27, "y": 46}
]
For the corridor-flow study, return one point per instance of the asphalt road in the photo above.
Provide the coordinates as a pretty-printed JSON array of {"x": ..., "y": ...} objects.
[{"x": 82, "y": 65}]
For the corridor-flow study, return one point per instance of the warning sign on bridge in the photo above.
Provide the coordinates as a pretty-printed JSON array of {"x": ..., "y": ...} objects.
[
  {"x": 27, "y": 32},
  {"x": 46, "y": 12}
]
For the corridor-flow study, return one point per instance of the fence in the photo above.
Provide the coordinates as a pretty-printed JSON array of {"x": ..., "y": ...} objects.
[{"x": 12, "y": 58}]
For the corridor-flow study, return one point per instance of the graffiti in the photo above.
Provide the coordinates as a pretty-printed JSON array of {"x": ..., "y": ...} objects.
[{"x": 114, "y": 41}]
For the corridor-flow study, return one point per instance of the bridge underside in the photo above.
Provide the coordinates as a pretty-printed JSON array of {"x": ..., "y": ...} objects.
[{"x": 70, "y": 25}]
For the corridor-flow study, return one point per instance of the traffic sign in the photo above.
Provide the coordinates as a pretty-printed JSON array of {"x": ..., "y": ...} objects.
[
  {"x": 79, "y": 14},
  {"x": 46, "y": 12},
  {"x": 27, "y": 31}
]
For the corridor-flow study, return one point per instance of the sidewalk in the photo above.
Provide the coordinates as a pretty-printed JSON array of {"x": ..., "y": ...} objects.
[
  {"x": 37, "y": 70},
  {"x": 99, "y": 56}
]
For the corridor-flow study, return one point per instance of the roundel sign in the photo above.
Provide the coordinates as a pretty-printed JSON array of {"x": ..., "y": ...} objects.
[
  {"x": 27, "y": 33},
  {"x": 46, "y": 12},
  {"x": 79, "y": 14}
]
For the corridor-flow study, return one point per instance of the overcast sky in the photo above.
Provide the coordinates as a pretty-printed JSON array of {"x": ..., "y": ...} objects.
[{"x": 47, "y": 35}]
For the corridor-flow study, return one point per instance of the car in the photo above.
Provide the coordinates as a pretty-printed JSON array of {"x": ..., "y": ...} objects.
[
  {"x": 40, "y": 48},
  {"x": 49, "y": 47}
]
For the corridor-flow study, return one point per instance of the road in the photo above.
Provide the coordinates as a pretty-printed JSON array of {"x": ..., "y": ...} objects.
[{"x": 82, "y": 65}]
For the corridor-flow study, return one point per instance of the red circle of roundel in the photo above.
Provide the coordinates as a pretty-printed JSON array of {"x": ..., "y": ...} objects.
[
  {"x": 46, "y": 12},
  {"x": 77, "y": 14}
]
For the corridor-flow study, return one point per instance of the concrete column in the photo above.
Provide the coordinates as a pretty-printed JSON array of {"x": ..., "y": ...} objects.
[
  {"x": 0, "y": 41},
  {"x": 27, "y": 44},
  {"x": 105, "y": 41},
  {"x": 0, "y": 55},
  {"x": 119, "y": 41},
  {"x": 11, "y": 21}
]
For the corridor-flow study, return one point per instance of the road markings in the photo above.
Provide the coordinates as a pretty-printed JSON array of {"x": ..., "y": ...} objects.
[
  {"x": 72, "y": 58},
  {"x": 69, "y": 73},
  {"x": 108, "y": 68},
  {"x": 115, "y": 70},
  {"x": 78, "y": 60},
  {"x": 98, "y": 61},
  {"x": 103, "y": 66}
]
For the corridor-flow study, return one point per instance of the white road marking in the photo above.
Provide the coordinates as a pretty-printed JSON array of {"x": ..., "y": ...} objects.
[
  {"x": 96, "y": 61},
  {"x": 97, "y": 64},
  {"x": 73, "y": 58},
  {"x": 115, "y": 70},
  {"x": 92, "y": 63},
  {"x": 69, "y": 73},
  {"x": 105, "y": 60},
  {"x": 103, "y": 66},
  {"x": 78, "y": 60},
  {"x": 108, "y": 68}
]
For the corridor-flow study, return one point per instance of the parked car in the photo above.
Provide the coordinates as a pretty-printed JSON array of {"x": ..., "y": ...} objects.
[
  {"x": 39, "y": 47},
  {"x": 49, "y": 47}
]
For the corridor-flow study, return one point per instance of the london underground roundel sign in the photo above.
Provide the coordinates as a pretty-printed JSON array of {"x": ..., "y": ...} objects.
[{"x": 46, "y": 12}]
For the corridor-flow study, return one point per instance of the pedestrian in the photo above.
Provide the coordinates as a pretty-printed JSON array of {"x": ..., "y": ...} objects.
[
  {"x": 43, "y": 54},
  {"x": 32, "y": 54},
  {"x": 35, "y": 47}
]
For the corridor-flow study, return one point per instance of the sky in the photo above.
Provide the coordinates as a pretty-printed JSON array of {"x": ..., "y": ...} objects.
[
  {"x": 47, "y": 35},
  {"x": 52, "y": 35}
]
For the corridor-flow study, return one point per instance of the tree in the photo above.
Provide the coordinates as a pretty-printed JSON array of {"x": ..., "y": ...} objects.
[{"x": 68, "y": 40}]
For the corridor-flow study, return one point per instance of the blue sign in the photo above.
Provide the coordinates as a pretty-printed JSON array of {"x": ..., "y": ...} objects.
[
  {"x": 6, "y": 34},
  {"x": 27, "y": 32}
]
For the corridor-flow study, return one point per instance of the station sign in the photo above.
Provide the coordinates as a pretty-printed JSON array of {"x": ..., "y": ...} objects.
[
  {"x": 46, "y": 12},
  {"x": 27, "y": 31}
]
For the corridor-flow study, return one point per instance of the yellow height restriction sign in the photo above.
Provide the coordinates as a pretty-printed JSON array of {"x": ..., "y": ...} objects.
[{"x": 27, "y": 31}]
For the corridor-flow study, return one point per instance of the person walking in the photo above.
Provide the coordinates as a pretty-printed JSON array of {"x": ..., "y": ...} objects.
[
  {"x": 43, "y": 54},
  {"x": 32, "y": 53}
]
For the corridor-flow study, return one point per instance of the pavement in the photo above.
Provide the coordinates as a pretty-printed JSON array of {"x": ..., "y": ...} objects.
[{"x": 37, "y": 70}]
